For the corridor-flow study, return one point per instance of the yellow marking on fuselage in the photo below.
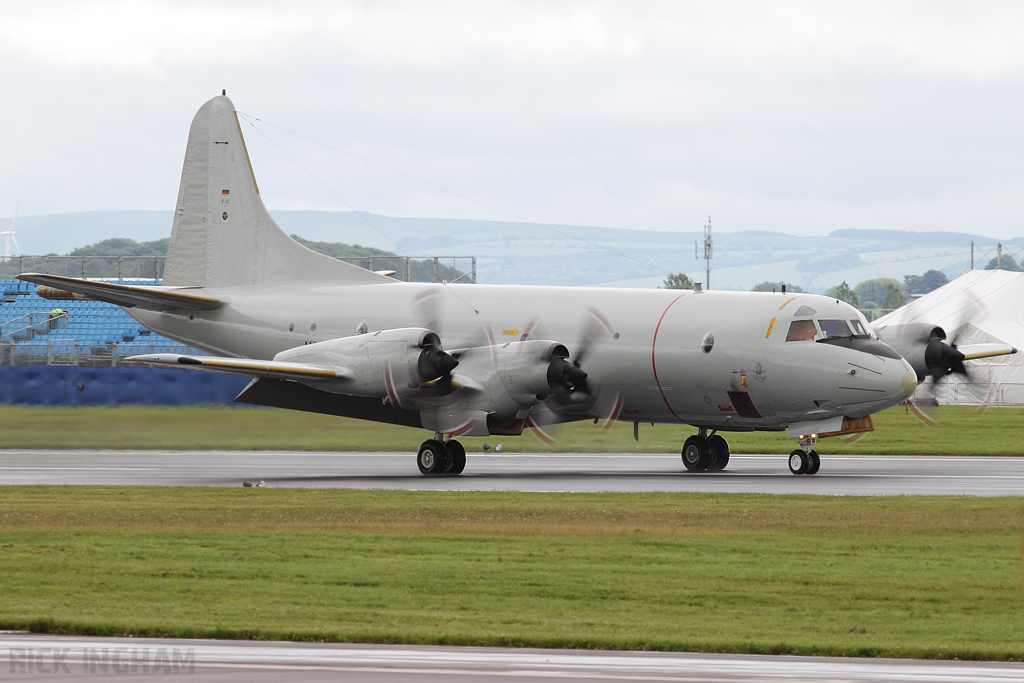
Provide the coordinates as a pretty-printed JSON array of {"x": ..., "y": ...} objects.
[
  {"x": 787, "y": 303},
  {"x": 511, "y": 333},
  {"x": 770, "y": 326}
]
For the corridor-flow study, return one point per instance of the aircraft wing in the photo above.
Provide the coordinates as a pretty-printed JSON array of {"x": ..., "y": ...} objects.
[
  {"x": 130, "y": 296},
  {"x": 246, "y": 367}
]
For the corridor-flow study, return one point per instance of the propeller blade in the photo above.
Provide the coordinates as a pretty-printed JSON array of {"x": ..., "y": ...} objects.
[
  {"x": 613, "y": 413},
  {"x": 853, "y": 438},
  {"x": 541, "y": 422},
  {"x": 920, "y": 413},
  {"x": 976, "y": 351}
]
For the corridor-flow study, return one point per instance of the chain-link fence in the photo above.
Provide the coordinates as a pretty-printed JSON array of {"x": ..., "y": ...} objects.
[
  {"x": 99, "y": 267},
  {"x": 71, "y": 352},
  {"x": 971, "y": 394},
  {"x": 411, "y": 269},
  {"x": 405, "y": 268},
  {"x": 31, "y": 325}
]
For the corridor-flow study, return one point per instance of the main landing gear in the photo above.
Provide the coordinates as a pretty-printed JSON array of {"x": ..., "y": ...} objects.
[
  {"x": 805, "y": 460},
  {"x": 441, "y": 457},
  {"x": 705, "y": 453}
]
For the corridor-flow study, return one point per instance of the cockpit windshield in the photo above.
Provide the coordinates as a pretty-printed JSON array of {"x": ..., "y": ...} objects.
[
  {"x": 835, "y": 328},
  {"x": 800, "y": 330}
]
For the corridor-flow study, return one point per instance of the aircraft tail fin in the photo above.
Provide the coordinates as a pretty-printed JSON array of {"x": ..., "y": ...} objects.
[{"x": 222, "y": 235}]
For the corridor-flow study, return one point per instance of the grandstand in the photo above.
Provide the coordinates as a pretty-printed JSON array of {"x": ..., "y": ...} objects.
[{"x": 91, "y": 333}]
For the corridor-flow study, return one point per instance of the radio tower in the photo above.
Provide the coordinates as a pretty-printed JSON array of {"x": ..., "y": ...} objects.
[{"x": 708, "y": 252}]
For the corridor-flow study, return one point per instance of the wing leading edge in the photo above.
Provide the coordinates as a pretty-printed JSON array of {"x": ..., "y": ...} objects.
[
  {"x": 247, "y": 367},
  {"x": 130, "y": 296}
]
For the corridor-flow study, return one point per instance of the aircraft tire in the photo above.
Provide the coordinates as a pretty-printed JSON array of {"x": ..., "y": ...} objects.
[
  {"x": 696, "y": 454},
  {"x": 720, "y": 453},
  {"x": 815, "y": 463},
  {"x": 798, "y": 462},
  {"x": 458, "y": 454},
  {"x": 433, "y": 458}
]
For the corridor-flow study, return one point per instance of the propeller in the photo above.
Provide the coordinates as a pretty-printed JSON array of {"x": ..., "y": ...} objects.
[
  {"x": 434, "y": 363},
  {"x": 933, "y": 356},
  {"x": 581, "y": 397},
  {"x": 941, "y": 359}
]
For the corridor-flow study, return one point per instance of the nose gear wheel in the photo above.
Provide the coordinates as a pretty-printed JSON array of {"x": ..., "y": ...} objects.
[{"x": 804, "y": 462}]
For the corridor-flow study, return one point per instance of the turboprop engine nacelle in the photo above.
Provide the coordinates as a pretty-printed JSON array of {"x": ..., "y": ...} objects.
[
  {"x": 532, "y": 370},
  {"x": 406, "y": 358},
  {"x": 923, "y": 346}
]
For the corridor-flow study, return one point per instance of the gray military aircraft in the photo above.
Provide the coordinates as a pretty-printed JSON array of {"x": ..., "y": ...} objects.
[{"x": 317, "y": 334}]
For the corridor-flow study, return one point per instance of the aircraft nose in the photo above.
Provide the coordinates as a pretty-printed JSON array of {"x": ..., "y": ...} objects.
[
  {"x": 909, "y": 382},
  {"x": 900, "y": 381},
  {"x": 874, "y": 386}
]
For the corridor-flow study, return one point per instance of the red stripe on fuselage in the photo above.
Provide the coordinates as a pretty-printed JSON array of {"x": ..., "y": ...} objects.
[
  {"x": 391, "y": 386},
  {"x": 654, "y": 364}
]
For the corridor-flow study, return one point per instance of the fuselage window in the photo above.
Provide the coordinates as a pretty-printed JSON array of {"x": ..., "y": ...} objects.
[
  {"x": 835, "y": 328},
  {"x": 800, "y": 330},
  {"x": 858, "y": 328}
]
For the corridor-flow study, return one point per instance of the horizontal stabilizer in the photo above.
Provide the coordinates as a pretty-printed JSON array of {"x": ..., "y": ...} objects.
[
  {"x": 975, "y": 351},
  {"x": 247, "y": 367},
  {"x": 129, "y": 296}
]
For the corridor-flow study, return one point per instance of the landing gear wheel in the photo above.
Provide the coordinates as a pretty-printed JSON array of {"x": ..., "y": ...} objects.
[
  {"x": 696, "y": 454},
  {"x": 433, "y": 458},
  {"x": 720, "y": 453},
  {"x": 815, "y": 463},
  {"x": 798, "y": 462},
  {"x": 458, "y": 454}
]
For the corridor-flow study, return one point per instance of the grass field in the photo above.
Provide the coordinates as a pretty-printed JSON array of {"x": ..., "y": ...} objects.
[
  {"x": 895, "y": 576},
  {"x": 960, "y": 431}
]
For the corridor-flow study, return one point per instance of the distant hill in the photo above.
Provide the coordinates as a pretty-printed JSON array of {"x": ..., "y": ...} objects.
[
  {"x": 522, "y": 253},
  {"x": 125, "y": 257}
]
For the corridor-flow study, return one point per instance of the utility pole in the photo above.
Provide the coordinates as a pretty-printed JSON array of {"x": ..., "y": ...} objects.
[{"x": 708, "y": 252}]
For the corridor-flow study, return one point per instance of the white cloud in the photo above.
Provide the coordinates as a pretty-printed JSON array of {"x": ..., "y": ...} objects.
[{"x": 797, "y": 116}]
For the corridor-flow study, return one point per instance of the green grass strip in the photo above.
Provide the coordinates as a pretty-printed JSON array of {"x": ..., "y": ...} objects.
[
  {"x": 960, "y": 431},
  {"x": 925, "y": 577}
]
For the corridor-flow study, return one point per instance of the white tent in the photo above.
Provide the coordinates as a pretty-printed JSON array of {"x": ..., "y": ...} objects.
[{"x": 979, "y": 307}]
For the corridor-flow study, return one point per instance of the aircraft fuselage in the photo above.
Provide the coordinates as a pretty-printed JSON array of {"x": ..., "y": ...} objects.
[{"x": 649, "y": 348}]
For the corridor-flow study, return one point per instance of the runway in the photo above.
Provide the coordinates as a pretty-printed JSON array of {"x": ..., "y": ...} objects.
[
  {"x": 625, "y": 472},
  {"x": 73, "y": 658}
]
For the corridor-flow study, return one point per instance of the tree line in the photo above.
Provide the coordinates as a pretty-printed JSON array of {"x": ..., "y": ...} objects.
[
  {"x": 104, "y": 255},
  {"x": 879, "y": 292}
]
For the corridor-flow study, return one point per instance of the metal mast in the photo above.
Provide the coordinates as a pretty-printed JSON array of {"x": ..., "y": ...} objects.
[{"x": 708, "y": 253}]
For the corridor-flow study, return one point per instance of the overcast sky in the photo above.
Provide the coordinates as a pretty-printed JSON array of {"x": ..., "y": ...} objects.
[{"x": 799, "y": 117}]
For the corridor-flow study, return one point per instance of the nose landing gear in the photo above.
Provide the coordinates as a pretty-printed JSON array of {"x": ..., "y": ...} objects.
[
  {"x": 805, "y": 460},
  {"x": 705, "y": 453},
  {"x": 441, "y": 457}
]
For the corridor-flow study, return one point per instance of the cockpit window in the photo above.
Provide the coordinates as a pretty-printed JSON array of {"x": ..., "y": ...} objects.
[
  {"x": 800, "y": 330},
  {"x": 805, "y": 311},
  {"x": 858, "y": 328},
  {"x": 835, "y": 328}
]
